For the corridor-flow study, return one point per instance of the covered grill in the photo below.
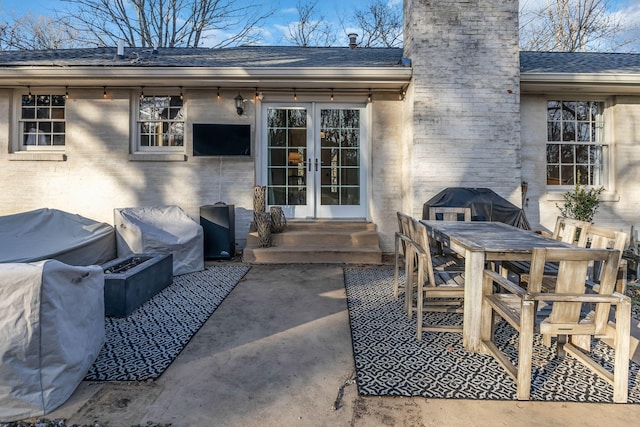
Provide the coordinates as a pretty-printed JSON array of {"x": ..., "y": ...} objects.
[{"x": 485, "y": 204}]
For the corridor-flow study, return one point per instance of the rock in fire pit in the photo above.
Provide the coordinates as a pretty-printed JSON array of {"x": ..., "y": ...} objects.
[{"x": 130, "y": 281}]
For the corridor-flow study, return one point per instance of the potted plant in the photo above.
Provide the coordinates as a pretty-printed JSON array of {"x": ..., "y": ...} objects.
[{"x": 581, "y": 203}]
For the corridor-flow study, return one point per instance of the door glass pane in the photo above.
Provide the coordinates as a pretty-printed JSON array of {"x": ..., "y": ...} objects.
[
  {"x": 277, "y": 176},
  {"x": 330, "y": 196},
  {"x": 340, "y": 157},
  {"x": 287, "y": 151},
  {"x": 297, "y": 138},
  {"x": 277, "y": 137},
  {"x": 276, "y": 118}
]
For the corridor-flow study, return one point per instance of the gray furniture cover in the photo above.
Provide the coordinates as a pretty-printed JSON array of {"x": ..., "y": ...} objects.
[
  {"x": 52, "y": 328},
  {"x": 485, "y": 204},
  {"x": 164, "y": 229},
  {"x": 54, "y": 234}
]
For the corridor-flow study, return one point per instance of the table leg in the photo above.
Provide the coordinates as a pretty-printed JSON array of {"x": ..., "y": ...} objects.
[{"x": 473, "y": 271}]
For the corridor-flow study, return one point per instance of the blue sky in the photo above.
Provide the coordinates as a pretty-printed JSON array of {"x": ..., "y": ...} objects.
[{"x": 273, "y": 31}]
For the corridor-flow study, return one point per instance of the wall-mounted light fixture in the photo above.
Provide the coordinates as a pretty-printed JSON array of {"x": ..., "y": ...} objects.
[{"x": 239, "y": 104}]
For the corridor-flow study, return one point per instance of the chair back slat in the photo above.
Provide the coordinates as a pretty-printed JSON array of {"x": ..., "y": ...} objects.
[
  {"x": 404, "y": 224},
  {"x": 603, "y": 238},
  {"x": 440, "y": 213},
  {"x": 570, "y": 231},
  {"x": 421, "y": 238},
  {"x": 573, "y": 267}
]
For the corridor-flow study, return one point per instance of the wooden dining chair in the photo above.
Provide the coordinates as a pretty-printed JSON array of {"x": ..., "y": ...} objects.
[
  {"x": 566, "y": 319},
  {"x": 605, "y": 238},
  {"x": 436, "y": 290},
  {"x": 401, "y": 239},
  {"x": 566, "y": 230},
  {"x": 440, "y": 261},
  {"x": 441, "y": 213},
  {"x": 595, "y": 238}
]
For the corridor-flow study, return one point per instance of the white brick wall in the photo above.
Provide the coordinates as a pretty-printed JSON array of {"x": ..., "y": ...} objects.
[
  {"x": 386, "y": 186},
  {"x": 620, "y": 205},
  {"x": 98, "y": 175},
  {"x": 464, "y": 98}
]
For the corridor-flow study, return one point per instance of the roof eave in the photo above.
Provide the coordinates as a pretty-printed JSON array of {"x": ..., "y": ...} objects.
[
  {"x": 609, "y": 83},
  {"x": 348, "y": 77}
]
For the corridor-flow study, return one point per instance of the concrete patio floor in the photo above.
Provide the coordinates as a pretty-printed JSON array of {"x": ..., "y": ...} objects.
[{"x": 277, "y": 352}]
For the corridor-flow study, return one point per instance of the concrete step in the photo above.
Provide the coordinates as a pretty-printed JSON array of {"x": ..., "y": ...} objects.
[
  {"x": 320, "y": 238},
  {"x": 351, "y": 242},
  {"x": 324, "y": 225},
  {"x": 312, "y": 254}
]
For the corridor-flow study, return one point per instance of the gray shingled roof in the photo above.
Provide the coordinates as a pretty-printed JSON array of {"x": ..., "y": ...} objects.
[
  {"x": 246, "y": 56},
  {"x": 291, "y": 56},
  {"x": 579, "y": 62}
]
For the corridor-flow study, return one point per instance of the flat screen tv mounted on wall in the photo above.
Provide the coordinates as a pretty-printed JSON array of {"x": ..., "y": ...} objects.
[{"x": 221, "y": 140}]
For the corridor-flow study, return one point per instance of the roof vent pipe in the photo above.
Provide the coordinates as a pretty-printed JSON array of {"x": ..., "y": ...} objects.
[
  {"x": 352, "y": 40},
  {"x": 120, "y": 49}
]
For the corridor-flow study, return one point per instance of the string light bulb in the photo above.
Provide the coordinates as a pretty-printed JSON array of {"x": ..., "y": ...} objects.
[
  {"x": 66, "y": 92},
  {"x": 332, "y": 94},
  {"x": 181, "y": 95},
  {"x": 142, "y": 92},
  {"x": 218, "y": 92},
  {"x": 369, "y": 96},
  {"x": 104, "y": 92},
  {"x": 30, "y": 96},
  {"x": 295, "y": 96}
]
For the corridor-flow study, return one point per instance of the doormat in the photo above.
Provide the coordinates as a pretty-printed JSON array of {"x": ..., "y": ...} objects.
[
  {"x": 142, "y": 345},
  {"x": 390, "y": 361}
]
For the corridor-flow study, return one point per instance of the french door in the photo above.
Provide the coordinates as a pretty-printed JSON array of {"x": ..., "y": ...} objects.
[{"x": 316, "y": 159}]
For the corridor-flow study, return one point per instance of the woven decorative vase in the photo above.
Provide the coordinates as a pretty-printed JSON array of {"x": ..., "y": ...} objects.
[
  {"x": 259, "y": 201},
  {"x": 278, "y": 220},
  {"x": 263, "y": 226}
]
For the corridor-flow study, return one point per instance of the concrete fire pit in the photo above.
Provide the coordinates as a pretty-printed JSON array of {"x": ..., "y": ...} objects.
[{"x": 132, "y": 280}]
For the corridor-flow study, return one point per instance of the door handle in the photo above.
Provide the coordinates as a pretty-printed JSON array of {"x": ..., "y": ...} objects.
[
  {"x": 316, "y": 165},
  {"x": 309, "y": 163}
]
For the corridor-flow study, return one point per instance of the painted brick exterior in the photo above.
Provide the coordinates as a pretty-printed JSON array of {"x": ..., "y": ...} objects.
[
  {"x": 620, "y": 203},
  {"x": 98, "y": 175},
  {"x": 463, "y": 123},
  {"x": 463, "y": 100}
]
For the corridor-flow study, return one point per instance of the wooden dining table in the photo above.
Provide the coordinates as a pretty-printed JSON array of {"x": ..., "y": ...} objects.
[{"x": 480, "y": 242}]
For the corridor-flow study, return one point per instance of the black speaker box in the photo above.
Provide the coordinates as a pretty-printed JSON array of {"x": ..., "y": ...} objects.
[{"x": 218, "y": 225}]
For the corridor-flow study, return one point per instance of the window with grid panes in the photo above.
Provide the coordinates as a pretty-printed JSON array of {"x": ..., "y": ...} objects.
[
  {"x": 576, "y": 151},
  {"x": 42, "y": 121},
  {"x": 160, "y": 122}
]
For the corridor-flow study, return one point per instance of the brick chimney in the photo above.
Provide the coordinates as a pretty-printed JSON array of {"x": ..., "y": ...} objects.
[
  {"x": 462, "y": 106},
  {"x": 353, "y": 37}
]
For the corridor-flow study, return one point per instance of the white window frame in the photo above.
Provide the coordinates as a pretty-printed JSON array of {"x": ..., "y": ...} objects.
[
  {"x": 19, "y": 145},
  {"x": 136, "y": 123},
  {"x": 605, "y": 142}
]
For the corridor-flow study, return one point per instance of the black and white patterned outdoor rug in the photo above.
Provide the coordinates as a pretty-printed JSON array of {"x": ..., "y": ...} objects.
[
  {"x": 142, "y": 345},
  {"x": 390, "y": 361}
]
